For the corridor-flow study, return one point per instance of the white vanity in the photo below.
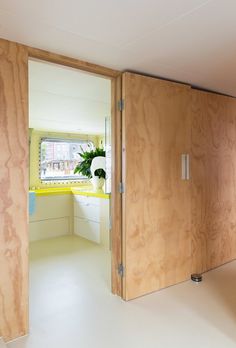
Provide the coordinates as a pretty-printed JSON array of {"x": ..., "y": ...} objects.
[
  {"x": 71, "y": 210},
  {"x": 91, "y": 218}
]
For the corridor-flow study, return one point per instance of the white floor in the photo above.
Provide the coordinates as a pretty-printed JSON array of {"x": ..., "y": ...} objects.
[{"x": 72, "y": 307}]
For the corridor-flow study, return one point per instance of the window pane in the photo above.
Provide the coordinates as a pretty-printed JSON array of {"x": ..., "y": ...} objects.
[{"x": 59, "y": 158}]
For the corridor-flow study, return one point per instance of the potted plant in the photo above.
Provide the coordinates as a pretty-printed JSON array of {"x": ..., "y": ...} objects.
[{"x": 84, "y": 167}]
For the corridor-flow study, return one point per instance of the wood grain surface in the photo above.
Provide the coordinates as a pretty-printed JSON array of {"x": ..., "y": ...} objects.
[
  {"x": 13, "y": 190},
  {"x": 213, "y": 180},
  {"x": 71, "y": 62},
  {"x": 116, "y": 213},
  {"x": 170, "y": 227},
  {"x": 156, "y": 210}
]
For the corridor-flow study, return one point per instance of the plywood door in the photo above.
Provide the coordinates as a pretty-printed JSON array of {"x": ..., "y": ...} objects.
[
  {"x": 156, "y": 202},
  {"x": 213, "y": 188},
  {"x": 116, "y": 237}
]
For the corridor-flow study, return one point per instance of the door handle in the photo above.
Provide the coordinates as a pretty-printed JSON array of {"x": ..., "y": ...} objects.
[
  {"x": 187, "y": 167},
  {"x": 185, "y": 171}
]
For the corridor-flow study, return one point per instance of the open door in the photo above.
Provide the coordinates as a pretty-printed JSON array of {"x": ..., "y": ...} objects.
[{"x": 156, "y": 198}]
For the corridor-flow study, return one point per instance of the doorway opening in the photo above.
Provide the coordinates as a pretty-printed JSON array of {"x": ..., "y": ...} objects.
[{"x": 69, "y": 229}]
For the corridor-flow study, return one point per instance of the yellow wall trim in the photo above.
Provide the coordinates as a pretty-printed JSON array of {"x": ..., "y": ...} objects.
[{"x": 70, "y": 190}]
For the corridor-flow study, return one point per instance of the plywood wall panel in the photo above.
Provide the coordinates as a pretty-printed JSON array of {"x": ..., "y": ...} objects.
[
  {"x": 13, "y": 190},
  {"x": 213, "y": 180}
]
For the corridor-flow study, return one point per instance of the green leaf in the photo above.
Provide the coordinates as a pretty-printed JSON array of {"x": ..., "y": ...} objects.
[{"x": 84, "y": 166}]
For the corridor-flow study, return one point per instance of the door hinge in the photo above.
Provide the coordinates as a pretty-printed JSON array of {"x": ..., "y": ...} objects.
[
  {"x": 121, "y": 104},
  {"x": 121, "y": 187},
  {"x": 121, "y": 270}
]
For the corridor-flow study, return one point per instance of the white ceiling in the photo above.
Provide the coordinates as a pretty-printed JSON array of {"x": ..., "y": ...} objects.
[
  {"x": 67, "y": 100},
  {"x": 192, "y": 41}
]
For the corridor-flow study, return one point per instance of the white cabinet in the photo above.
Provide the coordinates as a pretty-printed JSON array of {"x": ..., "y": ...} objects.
[
  {"x": 53, "y": 217},
  {"x": 58, "y": 215},
  {"x": 89, "y": 218},
  {"x": 86, "y": 207},
  {"x": 87, "y": 229},
  {"x": 49, "y": 228}
]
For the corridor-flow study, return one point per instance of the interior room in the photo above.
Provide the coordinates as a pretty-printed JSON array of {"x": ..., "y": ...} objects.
[
  {"x": 117, "y": 174},
  {"x": 69, "y": 114}
]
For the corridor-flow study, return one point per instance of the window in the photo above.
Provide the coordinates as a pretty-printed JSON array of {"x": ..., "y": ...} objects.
[{"x": 59, "y": 158}]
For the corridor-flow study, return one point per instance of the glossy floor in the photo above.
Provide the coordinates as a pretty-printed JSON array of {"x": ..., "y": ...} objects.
[{"x": 71, "y": 305}]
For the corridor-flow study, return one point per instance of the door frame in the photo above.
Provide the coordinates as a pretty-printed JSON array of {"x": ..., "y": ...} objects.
[{"x": 116, "y": 213}]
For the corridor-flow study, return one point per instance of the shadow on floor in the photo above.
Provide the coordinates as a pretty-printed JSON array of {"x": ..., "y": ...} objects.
[{"x": 215, "y": 299}]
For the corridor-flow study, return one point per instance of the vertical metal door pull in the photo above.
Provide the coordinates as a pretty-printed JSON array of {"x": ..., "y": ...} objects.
[
  {"x": 185, "y": 173},
  {"x": 187, "y": 167}
]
